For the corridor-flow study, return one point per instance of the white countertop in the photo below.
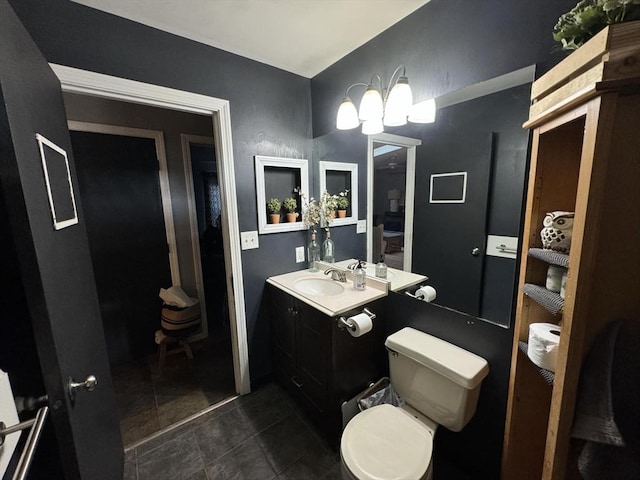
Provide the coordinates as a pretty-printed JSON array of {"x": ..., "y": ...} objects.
[
  {"x": 331, "y": 305},
  {"x": 397, "y": 279}
]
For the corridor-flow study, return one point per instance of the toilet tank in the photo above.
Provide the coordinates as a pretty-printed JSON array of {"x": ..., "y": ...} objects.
[{"x": 438, "y": 379}]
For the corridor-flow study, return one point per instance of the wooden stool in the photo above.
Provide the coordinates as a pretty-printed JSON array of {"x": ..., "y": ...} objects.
[{"x": 163, "y": 342}]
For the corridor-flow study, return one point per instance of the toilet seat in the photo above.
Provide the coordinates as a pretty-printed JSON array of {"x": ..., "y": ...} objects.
[{"x": 384, "y": 442}]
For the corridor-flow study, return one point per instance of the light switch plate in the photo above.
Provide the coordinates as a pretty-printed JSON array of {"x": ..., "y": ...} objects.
[
  {"x": 361, "y": 226},
  {"x": 299, "y": 254},
  {"x": 249, "y": 240}
]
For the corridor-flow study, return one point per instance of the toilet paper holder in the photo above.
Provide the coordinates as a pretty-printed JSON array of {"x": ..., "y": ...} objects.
[{"x": 344, "y": 323}]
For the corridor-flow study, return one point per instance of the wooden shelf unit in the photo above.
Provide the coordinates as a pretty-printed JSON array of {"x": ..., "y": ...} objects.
[{"x": 585, "y": 158}]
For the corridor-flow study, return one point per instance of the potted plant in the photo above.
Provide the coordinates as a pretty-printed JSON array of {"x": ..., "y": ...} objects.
[
  {"x": 291, "y": 205},
  {"x": 342, "y": 203},
  {"x": 273, "y": 207},
  {"x": 588, "y": 17}
]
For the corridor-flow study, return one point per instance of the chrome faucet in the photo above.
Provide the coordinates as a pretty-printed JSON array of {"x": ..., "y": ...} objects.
[
  {"x": 337, "y": 275},
  {"x": 352, "y": 266}
]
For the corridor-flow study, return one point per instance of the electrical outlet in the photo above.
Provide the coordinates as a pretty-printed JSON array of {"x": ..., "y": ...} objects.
[
  {"x": 361, "y": 226},
  {"x": 299, "y": 254},
  {"x": 249, "y": 240}
]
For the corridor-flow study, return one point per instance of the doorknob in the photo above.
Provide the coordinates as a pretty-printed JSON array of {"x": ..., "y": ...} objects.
[
  {"x": 89, "y": 385},
  {"x": 475, "y": 252}
]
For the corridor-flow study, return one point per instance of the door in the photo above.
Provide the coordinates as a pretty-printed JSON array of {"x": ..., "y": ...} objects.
[
  {"x": 452, "y": 189},
  {"x": 120, "y": 191},
  {"x": 54, "y": 265}
]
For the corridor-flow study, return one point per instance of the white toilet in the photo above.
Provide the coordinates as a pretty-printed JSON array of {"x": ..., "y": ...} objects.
[{"x": 440, "y": 383}]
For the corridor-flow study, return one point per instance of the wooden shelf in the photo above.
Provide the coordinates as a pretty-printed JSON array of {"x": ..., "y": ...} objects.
[
  {"x": 548, "y": 375},
  {"x": 550, "y": 301},
  {"x": 584, "y": 148}
]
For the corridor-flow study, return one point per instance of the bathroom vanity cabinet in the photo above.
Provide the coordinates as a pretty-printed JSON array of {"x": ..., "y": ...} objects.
[
  {"x": 585, "y": 117},
  {"x": 320, "y": 364}
]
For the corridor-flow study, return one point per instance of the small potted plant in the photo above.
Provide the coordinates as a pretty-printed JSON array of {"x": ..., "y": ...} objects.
[
  {"x": 290, "y": 205},
  {"x": 273, "y": 207},
  {"x": 342, "y": 203}
]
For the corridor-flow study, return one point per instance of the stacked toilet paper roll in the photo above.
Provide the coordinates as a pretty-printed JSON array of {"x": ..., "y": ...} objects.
[
  {"x": 543, "y": 345},
  {"x": 426, "y": 293},
  {"x": 362, "y": 324}
]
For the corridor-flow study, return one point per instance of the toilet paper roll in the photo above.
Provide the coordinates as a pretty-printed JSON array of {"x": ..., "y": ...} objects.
[
  {"x": 426, "y": 293},
  {"x": 362, "y": 324},
  {"x": 543, "y": 345}
]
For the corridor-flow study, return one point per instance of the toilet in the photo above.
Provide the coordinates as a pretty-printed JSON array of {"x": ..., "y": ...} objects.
[{"x": 440, "y": 383}]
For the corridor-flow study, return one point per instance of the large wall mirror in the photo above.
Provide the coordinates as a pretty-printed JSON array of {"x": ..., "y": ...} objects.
[{"x": 444, "y": 200}]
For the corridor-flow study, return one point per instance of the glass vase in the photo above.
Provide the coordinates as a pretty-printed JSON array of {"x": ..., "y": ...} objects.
[{"x": 313, "y": 252}]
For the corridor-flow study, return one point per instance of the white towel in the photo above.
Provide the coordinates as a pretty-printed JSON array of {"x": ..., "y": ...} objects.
[{"x": 177, "y": 297}]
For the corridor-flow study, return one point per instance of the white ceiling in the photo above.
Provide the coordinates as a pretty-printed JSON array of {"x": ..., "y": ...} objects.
[{"x": 300, "y": 36}]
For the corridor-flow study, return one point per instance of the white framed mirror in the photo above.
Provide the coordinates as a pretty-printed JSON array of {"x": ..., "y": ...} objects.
[
  {"x": 280, "y": 178},
  {"x": 336, "y": 177}
]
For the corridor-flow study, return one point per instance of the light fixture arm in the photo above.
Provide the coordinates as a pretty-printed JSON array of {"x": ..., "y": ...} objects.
[
  {"x": 346, "y": 94},
  {"x": 385, "y": 93}
]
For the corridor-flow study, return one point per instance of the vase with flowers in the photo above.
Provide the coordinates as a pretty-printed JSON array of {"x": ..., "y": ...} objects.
[{"x": 311, "y": 215}]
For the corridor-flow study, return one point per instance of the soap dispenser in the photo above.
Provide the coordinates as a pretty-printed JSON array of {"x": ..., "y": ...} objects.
[
  {"x": 381, "y": 268},
  {"x": 359, "y": 277}
]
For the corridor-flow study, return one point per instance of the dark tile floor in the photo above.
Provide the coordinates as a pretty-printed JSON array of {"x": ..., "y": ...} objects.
[
  {"x": 260, "y": 436},
  {"x": 150, "y": 400}
]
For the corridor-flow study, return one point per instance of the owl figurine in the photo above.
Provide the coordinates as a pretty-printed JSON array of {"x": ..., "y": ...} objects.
[{"x": 556, "y": 234}]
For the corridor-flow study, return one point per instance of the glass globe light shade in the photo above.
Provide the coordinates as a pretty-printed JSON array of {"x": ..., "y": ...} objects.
[
  {"x": 400, "y": 99},
  {"x": 347, "y": 115},
  {"x": 423, "y": 112},
  {"x": 371, "y": 107}
]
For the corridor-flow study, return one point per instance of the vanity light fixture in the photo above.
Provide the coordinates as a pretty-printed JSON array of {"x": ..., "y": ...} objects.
[{"x": 380, "y": 107}]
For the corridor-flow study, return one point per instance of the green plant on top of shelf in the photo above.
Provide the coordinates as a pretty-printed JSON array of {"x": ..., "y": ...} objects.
[
  {"x": 290, "y": 205},
  {"x": 588, "y": 17},
  {"x": 342, "y": 200},
  {"x": 274, "y": 206}
]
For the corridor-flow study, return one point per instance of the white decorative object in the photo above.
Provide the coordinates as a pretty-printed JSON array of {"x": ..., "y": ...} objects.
[{"x": 557, "y": 231}]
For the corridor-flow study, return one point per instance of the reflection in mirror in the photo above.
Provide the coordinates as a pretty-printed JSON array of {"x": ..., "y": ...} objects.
[
  {"x": 466, "y": 187},
  {"x": 389, "y": 187}
]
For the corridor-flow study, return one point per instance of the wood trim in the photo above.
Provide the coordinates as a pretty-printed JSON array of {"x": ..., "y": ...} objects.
[
  {"x": 163, "y": 176},
  {"x": 100, "y": 85}
]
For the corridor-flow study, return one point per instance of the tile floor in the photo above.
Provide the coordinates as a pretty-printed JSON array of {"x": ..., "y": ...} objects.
[
  {"x": 150, "y": 400},
  {"x": 260, "y": 436}
]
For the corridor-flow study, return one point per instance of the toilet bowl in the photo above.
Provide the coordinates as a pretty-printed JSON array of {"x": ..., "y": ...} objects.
[
  {"x": 440, "y": 383},
  {"x": 387, "y": 442}
]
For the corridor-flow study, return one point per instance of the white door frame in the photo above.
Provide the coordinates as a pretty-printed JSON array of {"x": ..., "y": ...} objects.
[
  {"x": 99, "y": 85},
  {"x": 410, "y": 144},
  {"x": 163, "y": 176}
]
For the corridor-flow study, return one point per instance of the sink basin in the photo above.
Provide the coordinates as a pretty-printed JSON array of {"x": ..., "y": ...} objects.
[
  {"x": 371, "y": 272},
  {"x": 320, "y": 287}
]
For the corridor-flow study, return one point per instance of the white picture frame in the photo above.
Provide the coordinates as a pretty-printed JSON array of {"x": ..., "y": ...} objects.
[
  {"x": 262, "y": 165},
  {"x": 463, "y": 196},
  {"x": 351, "y": 168},
  {"x": 47, "y": 165}
]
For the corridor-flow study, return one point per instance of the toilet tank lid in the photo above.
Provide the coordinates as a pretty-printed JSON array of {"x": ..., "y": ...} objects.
[{"x": 457, "y": 364}]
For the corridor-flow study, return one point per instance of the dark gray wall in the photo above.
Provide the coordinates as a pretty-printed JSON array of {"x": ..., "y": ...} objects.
[{"x": 270, "y": 114}]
